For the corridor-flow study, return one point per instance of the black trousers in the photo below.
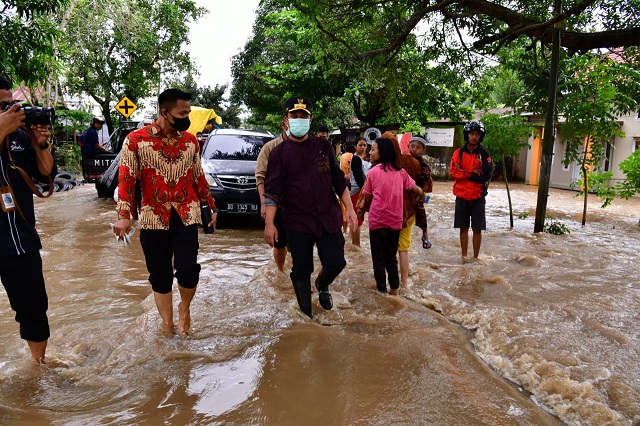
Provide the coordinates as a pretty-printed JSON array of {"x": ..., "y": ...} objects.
[
  {"x": 384, "y": 248},
  {"x": 331, "y": 252},
  {"x": 24, "y": 283},
  {"x": 165, "y": 250}
]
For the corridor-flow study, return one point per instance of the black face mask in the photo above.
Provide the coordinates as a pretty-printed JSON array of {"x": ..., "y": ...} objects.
[{"x": 180, "y": 124}]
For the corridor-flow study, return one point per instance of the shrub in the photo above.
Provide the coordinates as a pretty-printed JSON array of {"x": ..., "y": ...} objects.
[{"x": 556, "y": 227}]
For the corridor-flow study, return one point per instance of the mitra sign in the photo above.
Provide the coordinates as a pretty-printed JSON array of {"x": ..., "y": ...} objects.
[{"x": 439, "y": 137}]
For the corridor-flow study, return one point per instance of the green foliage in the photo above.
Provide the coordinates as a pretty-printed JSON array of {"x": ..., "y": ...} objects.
[
  {"x": 290, "y": 55},
  {"x": 523, "y": 215},
  {"x": 508, "y": 87},
  {"x": 27, "y": 35},
  {"x": 117, "y": 48},
  {"x": 71, "y": 122},
  {"x": 599, "y": 91},
  {"x": 631, "y": 168},
  {"x": 454, "y": 28},
  {"x": 556, "y": 227},
  {"x": 211, "y": 98},
  {"x": 412, "y": 126},
  {"x": 599, "y": 183},
  {"x": 72, "y": 157},
  {"x": 506, "y": 135}
]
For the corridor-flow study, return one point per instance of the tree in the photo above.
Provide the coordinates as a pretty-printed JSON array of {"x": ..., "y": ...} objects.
[
  {"x": 281, "y": 60},
  {"x": 288, "y": 55},
  {"x": 26, "y": 39},
  {"x": 585, "y": 25},
  {"x": 601, "y": 90},
  {"x": 211, "y": 98},
  {"x": 631, "y": 168},
  {"x": 506, "y": 135},
  {"x": 481, "y": 26},
  {"x": 70, "y": 122},
  {"x": 116, "y": 48}
]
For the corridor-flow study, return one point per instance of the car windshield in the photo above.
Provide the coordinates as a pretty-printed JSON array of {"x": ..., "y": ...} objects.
[{"x": 234, "y": 147}]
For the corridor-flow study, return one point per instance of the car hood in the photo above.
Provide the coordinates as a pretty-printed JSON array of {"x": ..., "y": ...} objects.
[{"x": 229, "y": 167}]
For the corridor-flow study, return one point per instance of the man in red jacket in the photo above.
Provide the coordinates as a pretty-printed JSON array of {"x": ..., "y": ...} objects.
[{"x": 471, "y": 169}]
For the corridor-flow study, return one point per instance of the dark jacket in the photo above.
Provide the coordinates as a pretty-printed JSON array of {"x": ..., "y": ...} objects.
[
  {"x": 17, "y": 235},
  {"x": 304, "y": 179},
  {"x": 89, "y": 142}
]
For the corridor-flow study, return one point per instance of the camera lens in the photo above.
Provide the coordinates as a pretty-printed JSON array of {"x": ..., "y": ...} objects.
[{"x": 40, "y": 115}]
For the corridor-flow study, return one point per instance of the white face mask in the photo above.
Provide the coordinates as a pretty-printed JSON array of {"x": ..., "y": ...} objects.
[{"x": 299, "y": 126}]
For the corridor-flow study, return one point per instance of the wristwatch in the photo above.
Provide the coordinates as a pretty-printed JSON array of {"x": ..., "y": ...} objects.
[{"x": 45, "y": 146}]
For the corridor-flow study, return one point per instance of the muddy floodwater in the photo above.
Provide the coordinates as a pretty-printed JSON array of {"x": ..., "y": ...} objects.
[{"x": 541, "y": 330}]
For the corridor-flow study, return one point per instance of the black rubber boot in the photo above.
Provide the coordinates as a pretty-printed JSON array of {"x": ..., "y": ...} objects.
[{"x": 303, "y": 294}]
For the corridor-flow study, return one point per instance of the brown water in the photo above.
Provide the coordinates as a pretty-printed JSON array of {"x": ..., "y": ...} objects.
[{"x": 541, "y": 330}]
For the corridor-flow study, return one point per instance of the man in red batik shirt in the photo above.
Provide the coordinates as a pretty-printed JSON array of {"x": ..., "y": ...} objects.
[{"x": 166, "y": 161}]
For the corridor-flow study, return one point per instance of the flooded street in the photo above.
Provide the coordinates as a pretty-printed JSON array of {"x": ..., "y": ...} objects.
[{"x": 541, "y": 330}]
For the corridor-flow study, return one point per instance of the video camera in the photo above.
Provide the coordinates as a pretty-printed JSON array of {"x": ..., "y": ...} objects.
[{"x": 36, "y": 115}]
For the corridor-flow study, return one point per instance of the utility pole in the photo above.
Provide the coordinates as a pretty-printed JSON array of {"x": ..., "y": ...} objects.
[{"x": 549, "y": 127}]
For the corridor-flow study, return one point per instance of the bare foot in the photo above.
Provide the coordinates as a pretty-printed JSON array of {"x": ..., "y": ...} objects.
[
  {"x": 38, "y": 362},
  {"x": 393, "y": 292},
  {"x": 167, "y": 329},
  {"x": 184, "y": 323}
]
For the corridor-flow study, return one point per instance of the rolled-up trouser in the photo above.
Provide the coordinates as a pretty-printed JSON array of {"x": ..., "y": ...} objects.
[
  {"x": 331, "y": 253},
  {"x": 24, "y": 283},
  {"x": 165, "y": 250}
]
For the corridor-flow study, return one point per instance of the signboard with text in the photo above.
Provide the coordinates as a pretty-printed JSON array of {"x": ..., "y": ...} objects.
[{"x": 439, "y": 137}]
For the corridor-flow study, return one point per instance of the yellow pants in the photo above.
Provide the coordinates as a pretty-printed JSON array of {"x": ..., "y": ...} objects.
[{"x": 405, "y": 235}]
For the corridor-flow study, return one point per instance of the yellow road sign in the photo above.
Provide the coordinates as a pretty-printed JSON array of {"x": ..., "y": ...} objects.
[{"x": 126, "y": 107}]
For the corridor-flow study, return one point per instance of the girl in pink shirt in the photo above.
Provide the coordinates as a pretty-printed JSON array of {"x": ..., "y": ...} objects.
[{"x": 385, "y": 184}]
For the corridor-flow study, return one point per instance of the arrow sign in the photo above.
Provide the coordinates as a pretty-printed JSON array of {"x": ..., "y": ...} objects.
[{"x": 126, "y": 107}]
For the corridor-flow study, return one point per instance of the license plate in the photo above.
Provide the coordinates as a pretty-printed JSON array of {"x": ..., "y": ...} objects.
[{"x": 242, "y": 208}]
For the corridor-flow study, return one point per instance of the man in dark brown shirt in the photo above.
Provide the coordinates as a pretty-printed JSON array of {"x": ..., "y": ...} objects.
[{"x": 304, "y": 178}]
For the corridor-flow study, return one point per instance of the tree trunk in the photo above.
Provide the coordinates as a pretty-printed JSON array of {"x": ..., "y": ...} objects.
[
  {"x": 506, "y": 183},
  {"x": 549, "y": 139},
  {"x": 586, "y": 195},
  {"x": 107, "y": 116}
]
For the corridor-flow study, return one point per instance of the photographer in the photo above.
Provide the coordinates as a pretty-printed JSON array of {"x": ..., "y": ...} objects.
[{"x": 24, "y": 147}]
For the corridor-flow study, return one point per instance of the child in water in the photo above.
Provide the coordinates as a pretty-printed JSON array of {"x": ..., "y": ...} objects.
[
  {"x": 384, "y": 186},
  {"x": 417, "y": 147}
]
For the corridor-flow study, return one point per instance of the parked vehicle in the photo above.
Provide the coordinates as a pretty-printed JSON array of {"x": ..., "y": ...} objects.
[
  {"x": 229, "y": 162},
  {"x": 94, "y": 167}
]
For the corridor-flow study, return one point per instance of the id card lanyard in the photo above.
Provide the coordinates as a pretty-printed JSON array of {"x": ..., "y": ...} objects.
[{"x": 7, "y": 199}]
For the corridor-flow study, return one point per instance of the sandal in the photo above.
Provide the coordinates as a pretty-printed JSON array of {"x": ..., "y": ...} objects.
[{"x": 426, "y": 244}]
